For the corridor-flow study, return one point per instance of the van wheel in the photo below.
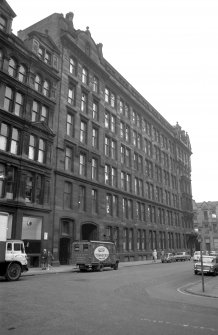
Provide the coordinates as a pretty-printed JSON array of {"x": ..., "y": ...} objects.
[
  {"x": 116, "y": 266},
  {"x": 13, "y": 272}
]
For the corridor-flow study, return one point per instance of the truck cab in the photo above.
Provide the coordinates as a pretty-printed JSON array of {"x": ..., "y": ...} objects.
[{"x": 13, "y": 259}]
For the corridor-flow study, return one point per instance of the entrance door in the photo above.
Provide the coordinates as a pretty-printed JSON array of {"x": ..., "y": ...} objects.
[
  {"x": 89, "y": 232},
  {"x": 64, "y": 253}
]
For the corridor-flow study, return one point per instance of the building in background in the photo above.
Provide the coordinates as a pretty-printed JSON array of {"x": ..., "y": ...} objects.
[
  {"x": 206, "y": 221},
  {"x": 117, "y": 170}
]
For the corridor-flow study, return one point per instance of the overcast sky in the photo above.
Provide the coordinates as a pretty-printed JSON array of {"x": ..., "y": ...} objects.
[{"x": 166, "y": 49}]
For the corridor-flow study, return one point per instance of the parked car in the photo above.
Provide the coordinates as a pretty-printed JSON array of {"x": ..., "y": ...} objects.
[
  {"x": 182, "y": 256},
  {"x": 197, "y": 255},
  {"x": 213, "y": 253},
  {"x": 168, "y": 258},
  {"x": 209, "y": 264}
]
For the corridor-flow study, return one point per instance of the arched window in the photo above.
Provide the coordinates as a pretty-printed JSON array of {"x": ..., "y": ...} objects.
[
  {"x": 22, "y": 74},
  {"x": 38, "y": 83},
  {"x": 12, "y": 65},
  {"x": 46, "y": 88},
  {"x": 3, "y": 23}
]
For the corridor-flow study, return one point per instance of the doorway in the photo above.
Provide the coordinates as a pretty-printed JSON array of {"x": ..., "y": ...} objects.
[
  {"x": 64, "y": 254},
  {"x": 89, "y": 232}
]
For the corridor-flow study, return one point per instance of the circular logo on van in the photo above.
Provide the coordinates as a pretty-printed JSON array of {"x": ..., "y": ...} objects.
[{"x": 101, "y": 253}]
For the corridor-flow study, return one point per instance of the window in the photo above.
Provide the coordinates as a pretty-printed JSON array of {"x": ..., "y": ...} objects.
[
  {"x": 108, "y": 204},
  {"x": 46, "y": 88},
  {"x": 113, "y": 177},
  {"x": 82, "y": 164},
  {"x": 13, "y": 101},
  {"x": 12, "y": 67},
  {"x": 127, "y": 208},
  {"x": 22, "y": 74},
  {"x": 82, "y": 198},
  {"x": 83, "y": 132},
  {"x": 29, "y": 188},
  {"x": 67, "y": 195},
  {"x": 70, "y": 125},
  {"x": 110, "y": 148},
  {"x": 94, "y": 201},
  {"x": 37, "y": 149},
  {"x": 68, "y": 163},
  {"x": 14, "y": 141},
  {"x": 38, "y": 83},
  {"x": 3, "y": 23},
  {"x": 107, "y": 174},
  {"x": 125, "y": 156},
  {"x": 47, "y": 58},
  {"x": 95, "y": 137},
  {"x": 94, "y": 169},
  {"x": 125, "y": 179},
  {"x": 7, "y": 181},
  {"x": 4, "y": 134},
  {"x": 84, "y": 102},
  {"x": 85, "y": 76},
  {"x": 73, "y": 66},
  {"x": 71, "y": 95},
  {"x": 110, "y": 121},
  {"x": 111, "y": 205},
  {"x": 110, "y": 97},
  {"x": 32, "y": 147},
  {"x": 95, "y": 110},
  {"x": 39, "y": 112},
  {"x": 95, "y": 84},
  {"x": 41, "y": 152}
]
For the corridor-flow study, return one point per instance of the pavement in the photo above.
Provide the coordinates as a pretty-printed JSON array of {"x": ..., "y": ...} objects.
[{"x": 210, "y": 283}]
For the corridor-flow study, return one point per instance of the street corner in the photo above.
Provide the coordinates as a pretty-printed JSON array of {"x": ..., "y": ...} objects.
[{"x": 208, "y": 289}]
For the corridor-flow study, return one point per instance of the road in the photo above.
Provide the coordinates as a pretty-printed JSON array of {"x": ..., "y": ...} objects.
[{"x": 133, "y": 300}]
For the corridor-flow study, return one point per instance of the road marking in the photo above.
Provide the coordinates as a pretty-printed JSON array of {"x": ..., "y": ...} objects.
[{"x": 179, "y": 325}]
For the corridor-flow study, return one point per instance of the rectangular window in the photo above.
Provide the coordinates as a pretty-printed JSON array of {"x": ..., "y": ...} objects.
[
  {"x": 95, "y": 137},
  {"x": 70, "y": 125},
  {"x": 67, "y": 195},
  {"x": 95, "y": 110},
  {"x": 82, "y": 165},
  {"x": 68, "y": 159},
  {"x": 71, "y": 95},
  {"x": 4, "y": 134},
  {"x": 84, "y": 102},
  {"x": 41, "y": 151},
  {"x": 108, "y": 204},
  {"x": 73, "y": 66},
  {"x": 32, "y": 147},
  {"x": 94, "y": 201},
  {"x": 113, "y": 177},
  {"x": 95, "y": 84},
  {"x": 94, "y": 169},
  {"x": 14, "y": 141},
  {"x": 83, "y": 132},
  {"x": 84, "y": 76},
  {"x": 107, "y": 174}
]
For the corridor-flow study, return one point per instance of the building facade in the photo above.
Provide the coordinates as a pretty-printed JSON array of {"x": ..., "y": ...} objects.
[
  {"x": 206, "y": 222},
  {"x": 117, "y": 169}
]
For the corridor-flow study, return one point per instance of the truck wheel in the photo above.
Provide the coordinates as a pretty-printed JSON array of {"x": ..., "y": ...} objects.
[{"x": 13, "y": 272}]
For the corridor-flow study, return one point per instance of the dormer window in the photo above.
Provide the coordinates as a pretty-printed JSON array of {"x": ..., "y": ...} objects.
[
  {"x": 40, "y": 52},
  {"x": 3, "y": 23}
]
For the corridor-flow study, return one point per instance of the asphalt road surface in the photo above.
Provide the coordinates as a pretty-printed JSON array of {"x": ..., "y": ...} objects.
[{"x": 137, "y": 300}]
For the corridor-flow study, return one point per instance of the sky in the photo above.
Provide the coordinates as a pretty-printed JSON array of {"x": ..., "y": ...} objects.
[{"x": 168, "y": 51}]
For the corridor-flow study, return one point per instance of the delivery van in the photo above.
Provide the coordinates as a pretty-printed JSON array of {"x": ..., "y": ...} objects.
[{"x": 94, "y": 255}]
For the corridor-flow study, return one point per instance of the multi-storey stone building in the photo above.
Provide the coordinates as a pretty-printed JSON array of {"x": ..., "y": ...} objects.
[
  {"x": 206, "y": 222},
  {"x": 118, "y": 169}
]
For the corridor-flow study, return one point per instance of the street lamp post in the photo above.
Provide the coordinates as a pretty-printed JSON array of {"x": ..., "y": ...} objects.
[{"x": 202, "y": 267}]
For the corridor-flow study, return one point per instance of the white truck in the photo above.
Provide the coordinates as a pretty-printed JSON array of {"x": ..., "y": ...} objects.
[{"x": 13, "y": 259}]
